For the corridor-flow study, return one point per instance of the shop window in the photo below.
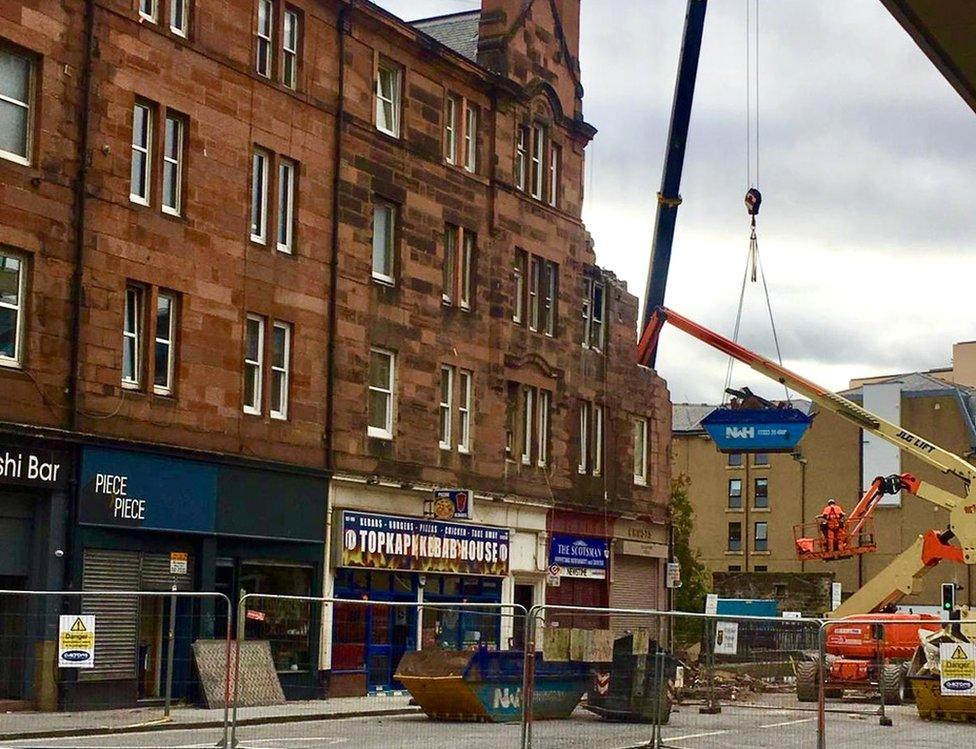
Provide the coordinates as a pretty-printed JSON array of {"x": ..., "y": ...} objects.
[
  {"x": 735, "y": 537},
  {"x": 735, "y": 494},
  {"x": 286, "y": 624},
  {"x": 761, "y": 495}
]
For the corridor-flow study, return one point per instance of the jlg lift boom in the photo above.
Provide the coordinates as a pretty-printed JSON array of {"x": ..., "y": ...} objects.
[{"x": 902, "y": 576}]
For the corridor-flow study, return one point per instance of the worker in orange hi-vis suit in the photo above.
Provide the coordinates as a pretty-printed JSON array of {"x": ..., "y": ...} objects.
[{"x": 832, "y": 525}]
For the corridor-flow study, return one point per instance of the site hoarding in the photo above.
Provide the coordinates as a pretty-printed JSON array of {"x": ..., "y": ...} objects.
[{"x": 393, "y": 542}]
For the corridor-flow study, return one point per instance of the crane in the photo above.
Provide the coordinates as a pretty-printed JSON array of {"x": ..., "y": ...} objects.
[{"x": 903, "y": 575}]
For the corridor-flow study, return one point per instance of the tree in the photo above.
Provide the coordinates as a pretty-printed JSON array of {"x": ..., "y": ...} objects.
[{"x": 695, "y": 581}]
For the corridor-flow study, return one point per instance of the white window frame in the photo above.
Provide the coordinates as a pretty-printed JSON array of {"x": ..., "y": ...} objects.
[
  {"x": 280, "y": 373},
  {"x": 554, "y": 156},
  {"x": 385, "y": 432},
  {"x": 255, "y": 366},
  {"x": 594, "y": 315},
  {"x": 136, "y": 296},
  {"x": 449, "y": 270},
  {"x": 550, "y": 284},
  {"x": 640, "y": 451},
  {"x": 470, "y": 137},
  {"x": 535, "y": 276},
  {"x": 537, "y": 159},
  {"x": 17, "y": 359},
  {"x": 26, "y": 105},
  {"x": 545, "y": 412},
  {"x": 148, "y": 10},
  {"x": 389, "y": 242},
  {"x": 452, "y": 107},
  {"x": 144, "y": 148},
  {"x": 597, "y": 458},
  {"x": 173, "y": 162},
  {"x": 265, "y": 38},
  {"x": 179, "y": 17},
  {"x": 392, "y": 98},
  {"x": 468, "y": 240},
  {"x": 465, "y": 379},
  {"x": 584, "y": 437},
  {"x": 519, "y": 271},
  {"x": 446, "y": 407},
  {"x": 522, "y": 134},
  {"x": 168, "y": 339},
  {"x": 260, "y": 169},
  {"x": 528, "y": 418},
  {"x": 290, "y": 36},
  {"x": 287, "y": 172}
]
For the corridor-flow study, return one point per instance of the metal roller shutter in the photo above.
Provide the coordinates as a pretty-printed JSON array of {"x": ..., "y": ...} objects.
[
  {"x": 156, "y": 574},
  {"x": 636, "y": 583},
  {"x": 116, "y": 617}
]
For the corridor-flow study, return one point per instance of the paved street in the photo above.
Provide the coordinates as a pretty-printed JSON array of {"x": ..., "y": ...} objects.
[{"x": 738, "y": 726}]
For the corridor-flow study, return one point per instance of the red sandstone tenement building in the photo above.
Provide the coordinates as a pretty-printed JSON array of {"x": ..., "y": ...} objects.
[{"x": 280, "y": 270}]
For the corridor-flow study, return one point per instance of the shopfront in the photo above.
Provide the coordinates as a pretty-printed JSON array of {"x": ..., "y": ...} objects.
[
  {"x": 157, "y": 522},
  {"x": 379, "y": 556},
  {"x": 640, "y": 553},
  {"x": 34, "y": 480},
  {"x": 579, "y": 567}
]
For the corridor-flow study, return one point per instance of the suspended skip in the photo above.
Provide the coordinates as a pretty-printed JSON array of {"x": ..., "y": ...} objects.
[{"x": 766, "y": 430}]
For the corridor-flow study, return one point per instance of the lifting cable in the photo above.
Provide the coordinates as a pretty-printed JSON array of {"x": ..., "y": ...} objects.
[{"x": 753, "y": 199}]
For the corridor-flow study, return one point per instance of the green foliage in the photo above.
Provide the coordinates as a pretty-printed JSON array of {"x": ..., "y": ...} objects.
[{"x": 695, "y": 581}]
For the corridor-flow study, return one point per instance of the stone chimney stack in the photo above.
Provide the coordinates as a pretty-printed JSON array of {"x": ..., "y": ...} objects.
[{"x": 499, "y": 47}]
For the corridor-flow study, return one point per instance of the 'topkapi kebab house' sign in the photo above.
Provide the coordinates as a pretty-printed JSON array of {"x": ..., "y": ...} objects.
[{"x": 392, "y": 542}]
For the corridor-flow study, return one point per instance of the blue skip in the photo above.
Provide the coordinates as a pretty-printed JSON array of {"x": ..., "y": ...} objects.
[{"x": 745, "y": 430}]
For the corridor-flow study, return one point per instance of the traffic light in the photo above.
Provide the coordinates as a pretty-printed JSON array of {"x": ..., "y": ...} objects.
[{"x": 948, "y": 596}]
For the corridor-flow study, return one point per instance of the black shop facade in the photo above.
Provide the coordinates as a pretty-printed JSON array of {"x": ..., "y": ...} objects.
[{"x": 152, "y": 521}]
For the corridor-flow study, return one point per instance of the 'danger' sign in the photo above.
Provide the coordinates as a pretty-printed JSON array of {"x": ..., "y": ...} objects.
[{"x": 391, "y": 542}]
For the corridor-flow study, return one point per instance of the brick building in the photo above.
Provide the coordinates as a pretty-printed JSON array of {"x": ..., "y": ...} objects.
[{"x": 337, "y": 261}]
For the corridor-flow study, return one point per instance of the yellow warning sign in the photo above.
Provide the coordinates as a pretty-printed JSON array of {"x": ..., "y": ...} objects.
[
  {"x": 959, "y": 654},
  {"x": 78, "y": 626},
  {"x": 76, "y": 641},
  {"x": 957, "y": 664}
]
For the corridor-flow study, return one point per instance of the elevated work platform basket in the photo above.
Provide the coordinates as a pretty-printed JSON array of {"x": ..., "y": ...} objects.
[
  {"x": 811, "y": 542},
  {"x": 751, "y": 430}
]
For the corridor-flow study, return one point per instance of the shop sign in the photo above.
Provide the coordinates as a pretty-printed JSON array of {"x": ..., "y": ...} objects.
[
  {"x": 579, "y": 557},
  {"x": 449, "y": 504},
  {"x": 76, "y": 641},
  {"x": 393, "y": 542},
  {"x": 138, "y": 490},
  {"x": 726, "y": 638},
  {"x": 29, "y": 466},
  {"x": 179, "y": 562},
  {"x": 674, "y": 575},
  {"x": 957, "y": 668}
]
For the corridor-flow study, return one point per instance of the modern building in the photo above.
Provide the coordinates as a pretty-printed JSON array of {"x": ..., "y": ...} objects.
[
  {"x": 263, "y": 293},
  {"x": 746, "y": 506}
]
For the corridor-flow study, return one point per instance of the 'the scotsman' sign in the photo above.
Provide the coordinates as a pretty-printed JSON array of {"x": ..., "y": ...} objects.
[{"x": 391, "y": 542}]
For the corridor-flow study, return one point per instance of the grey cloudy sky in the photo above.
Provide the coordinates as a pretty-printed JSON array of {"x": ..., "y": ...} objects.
[{"x": 866, "y": 163}]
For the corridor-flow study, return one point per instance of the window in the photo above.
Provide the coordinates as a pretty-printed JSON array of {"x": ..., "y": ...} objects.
[
  {"x": 538, "y": 155},
  {"x": 760, "y": 568},
  {"x": 447, "y": 406},
  {"x": 165, "y": 342},
  {"x": 640, "y": 451},
  {"x": 735, "y": 494},
  {"x": 264, "y": 43},
  {"x": 388, "y": 98},
  {"x": 735, "y": 568},
  {"x": 584, "y": 437},
  {"x": 518, "y": 273},
  {"x": 286, "y": 205},
  {"x": 259, "y": 196},
  {"x": 597, "y": 440},
  {"x": 16, "y": 96},
  {"x": 542, "y": 448},
  {"x": 132, "y": 338},
  {"x": 450, "y": 262},
  {"x": 289, "y": 48},
  {"x": 549, "y": 286},
  {"x": 470, "y": 137},
  {"x": 384, "y": 226},
  {"x": 761, "y": 496},
  {"x": 380, "y": 408},
  {"x": 735, "y": 536},
  {"x": 528, "y": 413},
  {"x": 594, "y": 311},
  {"x": 464, "y": 410},
  {"x": 761, "y": 541},
  {"x": 142, "y": 118},
  {"x": 13, "y": 280},
  {"x": 735, "y": 460},
  {"x": 253, "y": 363},
  {"x": 173, "y": 166},
  {"x": 535, "y": 275},
  {"x": 464, "y": 280},
  {"x": 555, "y": 155},
  {"x": 147, "y": 10},
  {"x": 458, "y": 252},
  {"x": 533, "y": 412},
  {"x": 179, "y": 16},
  {"x": 761, "y": 459},
  {"x": 521, "y": 157},
  {"x": 280, "y": 368},
  {"x": 452, "y": 108}
]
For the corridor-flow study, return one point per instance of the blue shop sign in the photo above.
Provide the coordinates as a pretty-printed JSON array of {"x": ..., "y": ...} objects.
[
  {"x": 578, "y": 556},
  {"x": 138, "y": 490}
]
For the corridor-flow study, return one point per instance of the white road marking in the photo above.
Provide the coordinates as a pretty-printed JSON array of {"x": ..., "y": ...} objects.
[
  {"x": 695, "y": 736},
  {"x": 329, "y": 741},
  {"x": 788, "y": 723}
]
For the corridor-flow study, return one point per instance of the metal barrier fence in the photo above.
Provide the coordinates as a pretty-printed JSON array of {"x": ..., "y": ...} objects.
[{"x": 111, "y": 659}]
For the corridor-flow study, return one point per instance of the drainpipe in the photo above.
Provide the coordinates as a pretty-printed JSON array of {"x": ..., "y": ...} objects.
[
  {"x": 343, "y": 23},
  {"x": 81, "y": 186}
]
